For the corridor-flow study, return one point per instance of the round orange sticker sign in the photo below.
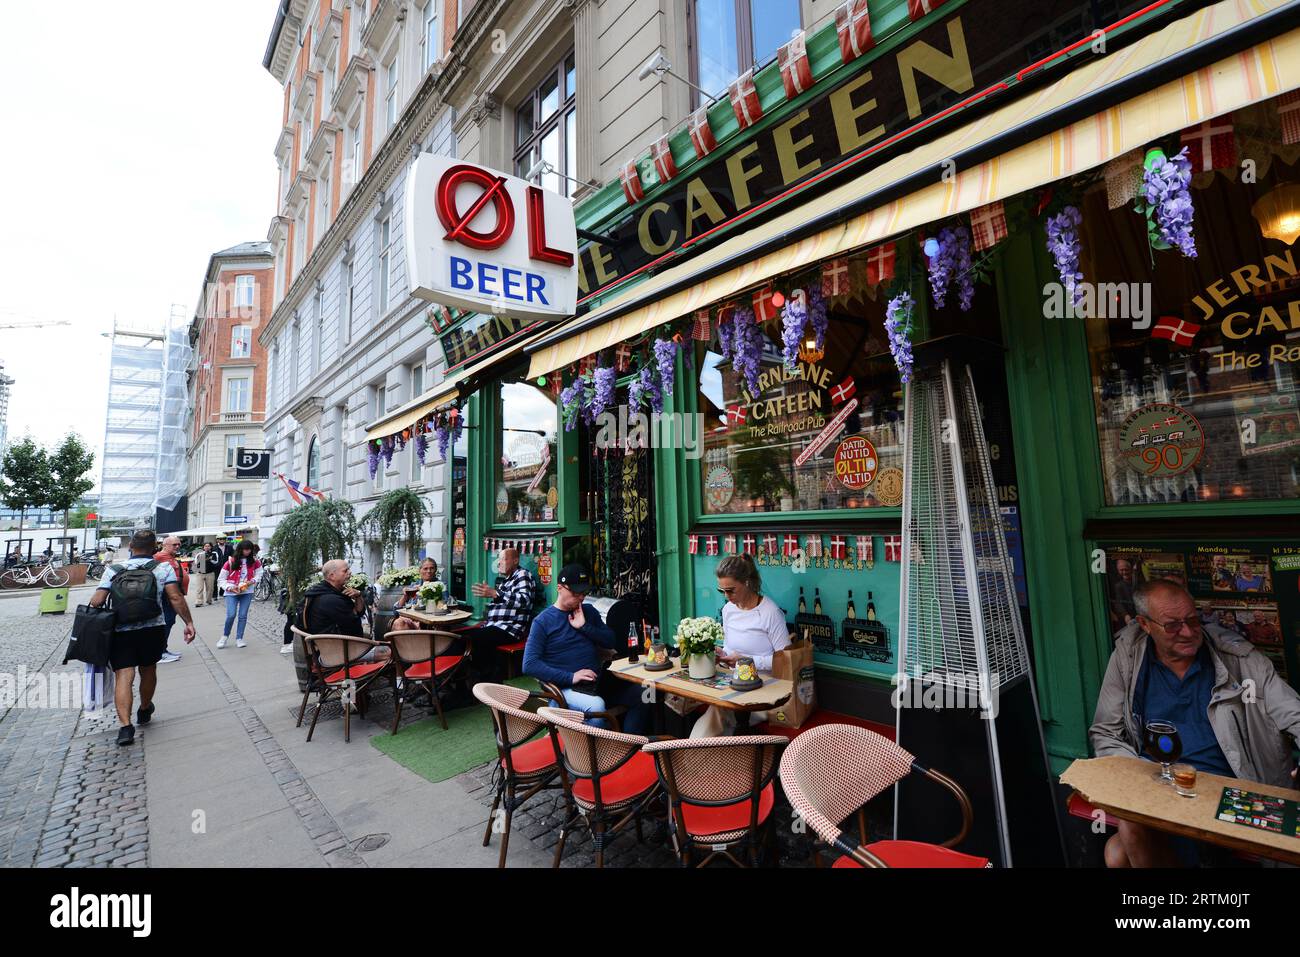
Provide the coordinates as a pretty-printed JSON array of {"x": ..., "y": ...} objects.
[{"x": 856, "y": 462}]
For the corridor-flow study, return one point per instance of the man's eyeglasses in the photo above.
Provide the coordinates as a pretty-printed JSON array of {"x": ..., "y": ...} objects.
[{"x": 1192, "y": 623}]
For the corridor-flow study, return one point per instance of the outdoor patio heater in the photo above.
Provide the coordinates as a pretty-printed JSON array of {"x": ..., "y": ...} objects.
[{"x": 967, "y": 706}]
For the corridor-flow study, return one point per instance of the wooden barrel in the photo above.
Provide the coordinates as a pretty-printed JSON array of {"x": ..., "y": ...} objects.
[{"x": 387, "y": 601}]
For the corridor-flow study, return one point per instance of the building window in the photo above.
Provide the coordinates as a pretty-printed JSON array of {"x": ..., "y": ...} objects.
[
  {"x": 233, "y": 506},
  {"x": 385, "y": 263},
  {"x": 241, "y": 342},
  {"x": 545, "y": 127},
  {"x": 237, "y": 394},
  {"x": 417, "y": 379},
  {"x": 430, "y": 37},
  {"x": 526, "y": 473},
  {"x": 244, "y": 291},
  {"x": 331, "y": 76},
  {"x": 390, "y": 95},
  {"x": 233, "y": 444},
  {"x": 381, "y": 400},
  {"x": 728, "y": 37},
  {"x": 348, "y": 306},
  {"x": 306, "y": 137},
  {"x": 323, "y": 213},
  {"x": 318, "y": 333},
  {"x": 313, "y": 463}
]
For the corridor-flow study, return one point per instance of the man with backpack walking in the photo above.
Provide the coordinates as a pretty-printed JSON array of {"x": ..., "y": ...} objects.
[{"x": 138, "y": 588}]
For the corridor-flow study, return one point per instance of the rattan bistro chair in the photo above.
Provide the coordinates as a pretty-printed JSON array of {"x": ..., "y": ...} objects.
[
  {"x": 422, "y": 659},
  {"x": 720, "y": 792},
  {"x": 336, "y": 664},
  {"x": 830, "y": 772},
  {"x": 608, "y": 780},
  {"x": 528, "y": 762}
]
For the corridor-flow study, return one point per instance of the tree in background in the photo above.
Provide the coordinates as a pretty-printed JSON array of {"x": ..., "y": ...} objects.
[
  {"x": 24, "y": 479},
  {"x": 70, "y": 465},
  {"x": 78, "y": 518}
]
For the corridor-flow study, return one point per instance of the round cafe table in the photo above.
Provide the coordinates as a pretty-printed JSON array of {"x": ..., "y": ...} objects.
[{"x": 450, "y": 619}]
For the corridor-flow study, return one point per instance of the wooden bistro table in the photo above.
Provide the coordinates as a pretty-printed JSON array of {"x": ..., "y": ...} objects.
[
  {"x": 450, "y": 620},
  {"x": 1123, "y": 786},
  {"x": 775, "y": 691}
]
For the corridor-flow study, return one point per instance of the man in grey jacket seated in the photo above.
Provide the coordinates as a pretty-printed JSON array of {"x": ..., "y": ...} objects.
[{"x": 1229, "y": 705}]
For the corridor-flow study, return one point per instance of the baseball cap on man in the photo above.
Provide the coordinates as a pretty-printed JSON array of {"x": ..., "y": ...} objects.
[{"x": 575, "y": 577}]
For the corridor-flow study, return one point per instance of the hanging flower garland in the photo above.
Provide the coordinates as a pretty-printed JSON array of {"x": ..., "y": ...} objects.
[
  {"x": 372, "y": 457},
  {"x": 665, "y": 354},
  {"x": 387, "y": 449},
  {"x": 1166, "y": 201},
  {"x": 421, "y": 440},
  {"x": 1064, "y": 244},
  {"x": 898, "y": 326},
  {"x": 950, "y": 258},
  {"x": 793, "y": 318},
  {"x": 572, "y": 397},
  {"x": 603, "y": 383},
  {"x": 742, "y": 344}
]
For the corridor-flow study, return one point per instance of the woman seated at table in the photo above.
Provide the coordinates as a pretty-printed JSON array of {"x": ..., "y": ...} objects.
[
  {"x": 428, "y": 573},
  {"x": 752, "y": 626}
]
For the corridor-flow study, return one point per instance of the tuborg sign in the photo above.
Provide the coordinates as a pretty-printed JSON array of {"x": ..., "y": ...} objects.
[{"x": 484, "y": 241}]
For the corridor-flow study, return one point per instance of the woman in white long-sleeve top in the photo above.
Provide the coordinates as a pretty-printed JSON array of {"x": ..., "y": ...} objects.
[
  {"x": 239, "y": 576},
  {"x": 752, "y": 627}
]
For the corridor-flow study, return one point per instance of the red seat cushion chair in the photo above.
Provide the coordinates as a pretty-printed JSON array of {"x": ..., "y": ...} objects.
[
  {"x": 357, "y": 671},
  {"x": 421, "y": 671},
  {"x": 916, "y": 854},
  {"x": 630, "y": 781},
  {"x": 533, "y": 756},
  {"x": 704, "y": 822}
]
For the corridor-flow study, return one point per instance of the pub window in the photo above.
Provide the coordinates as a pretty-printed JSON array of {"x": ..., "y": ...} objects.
[
  {"x": 313, "y": 463},
  {"x": 728, "y": 37},
  {"x": 545, "y": 127},
  {"x": 526, "y": 460},
  {"x": 1195, "y": 361},
  {"x": 756, "y": 455}
]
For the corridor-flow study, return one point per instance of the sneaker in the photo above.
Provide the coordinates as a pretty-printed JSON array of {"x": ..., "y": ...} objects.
[
  {"x": 125, "y": 735},
  {"x": 168, "y": 656},
  {"x": 222, "y": 642},
  {"x": 240, "y": 643},
  {"x": 143, "y": 716},
  {"x": 286, "y": 649}
]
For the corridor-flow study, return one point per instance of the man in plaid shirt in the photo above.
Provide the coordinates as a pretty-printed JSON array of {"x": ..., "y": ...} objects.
[{"x": 508, "y": 614}]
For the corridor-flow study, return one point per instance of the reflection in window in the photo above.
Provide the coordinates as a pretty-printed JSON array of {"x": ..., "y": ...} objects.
[
  {"x": 526, "y": 470},
  {"x": 730, "y": 36},
  {"x": 545, "y": 128}
]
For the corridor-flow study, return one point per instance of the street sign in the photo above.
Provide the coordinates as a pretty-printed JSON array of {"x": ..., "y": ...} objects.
[
  {"x": 232, "y": 521},
  {"x": 252, "y": 463}
]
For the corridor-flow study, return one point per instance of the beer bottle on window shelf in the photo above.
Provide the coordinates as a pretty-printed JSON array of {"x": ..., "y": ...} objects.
[
  {"x": 633, "y": 642},
  {"x": 817, "y": 601},
  {"x": 803, "y": 605},
  {"x": 871, "y": 608},
  {"x": 852, "y": 612}
]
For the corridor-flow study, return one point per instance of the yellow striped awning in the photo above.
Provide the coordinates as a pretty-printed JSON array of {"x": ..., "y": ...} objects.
[{"x": 1258, "y": 73}]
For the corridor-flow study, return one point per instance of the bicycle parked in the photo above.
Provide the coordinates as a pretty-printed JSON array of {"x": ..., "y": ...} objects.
[
  {"x": 269, "y": 584},
  {"x": 49, "y": 575}
]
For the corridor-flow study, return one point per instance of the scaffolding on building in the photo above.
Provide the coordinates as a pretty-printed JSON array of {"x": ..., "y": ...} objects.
[
  {"x": 172, "y": 476},
  {"x": 5, "y": 383}
]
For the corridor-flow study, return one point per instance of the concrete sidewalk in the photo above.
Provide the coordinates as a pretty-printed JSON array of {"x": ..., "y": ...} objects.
[{"x": 231, "y": 782}]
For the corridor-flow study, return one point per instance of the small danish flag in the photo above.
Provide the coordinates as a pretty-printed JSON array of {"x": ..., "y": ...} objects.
[
  {"x": 988, "y": 225},
  {"x": 440, "y": 317},
  {"x": 796, "y": 71},
  {"x": 764, "y": 311},
  {"x": 735, "y": 415},
  {"x": 744, "y": 99},
  {"x": 916, "y": 9},
  {"x": 844, "y": 391},
  {"x": 749, "y": 543},
  {"x": 693, "y": 544},
  {"x": 814, "y": 547},
  {"x": 880, "y": 264},
  {"x": 1179, "y": 331},
  {"x": 1211, "y": 145},
  {"x": 893, "y": 548},
  {"x": 866, "y": 548},
  {"x": 622, "y": 357},
  {"x": 835, "y": 277},
  {"x": 711, "y": 545},
  {"x": 701, "y": 133},
  {"x": 728, "y": 544},
  {"x": 838, "y": 547},
  {"x": 789, "y": 545},
  {"x": 769, "y": 544},
  {"x": 662, "y": 155},
  {"x": 853, "y": 24},
  {"x": 630, "y": 177}
]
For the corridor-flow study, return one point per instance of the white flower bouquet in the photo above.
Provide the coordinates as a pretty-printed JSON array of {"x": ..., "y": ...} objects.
[
  {"x": 698, "y": 636},
  {"x": 431, "y": 591}
]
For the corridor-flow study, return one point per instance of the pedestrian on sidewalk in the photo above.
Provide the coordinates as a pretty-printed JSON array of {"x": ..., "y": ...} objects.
[
  {"x": 140, "y": 588},
  {"x": 206, "y": 565},
  {"x": 169, "y": 554},
  {"x": 239, "y": 576}
]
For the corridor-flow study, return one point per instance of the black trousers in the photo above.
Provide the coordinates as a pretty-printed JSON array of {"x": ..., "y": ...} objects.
[{"x": 484, "y": 640}]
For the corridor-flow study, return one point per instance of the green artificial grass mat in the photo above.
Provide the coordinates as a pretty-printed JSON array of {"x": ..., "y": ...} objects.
[{"x": 435, "y": 754}]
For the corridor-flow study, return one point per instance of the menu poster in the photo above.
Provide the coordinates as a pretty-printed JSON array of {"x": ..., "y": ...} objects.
[
  {"x": 1255, "y": 619},
  {"x": 1223, "y": 569},
  {"x": 1262, "y": 811},
  {"x": 1127, "y": 566}
]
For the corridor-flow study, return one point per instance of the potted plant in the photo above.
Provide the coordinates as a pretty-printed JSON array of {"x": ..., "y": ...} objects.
[
  {"x": 431, "y": 593},
  {"x": 397, "y": 518},
  {"x": 698, "y": 639}
]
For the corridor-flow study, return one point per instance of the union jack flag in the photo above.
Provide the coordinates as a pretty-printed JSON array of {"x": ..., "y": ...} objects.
[
  {"x": 663, "y": 159},
  {"x": 701, "y": 133},
  {"x": 744, "y": 99},
  {"x": 853, "y": 24},
  {"x": 735, "y": 415},
  {"x": 796, "y": 71}
]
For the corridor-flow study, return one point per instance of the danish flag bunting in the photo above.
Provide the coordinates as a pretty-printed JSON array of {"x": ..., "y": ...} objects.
[
  {"x": 835, "y": 277},
  {"x": 814, "y": 547},
  {"x": 744, "y": 99},
  {"x": 556, "y": 382},
  {"x": 701, "y": 331},
  {"x": 622, "y": 357},
  {"x": 916, "y": 9},
  {"x": 866, "y": 548},
  {"x": 1211, "y": 145},
  {"x": 735, "y": 415},
  {"x": 769, "y": 544},
  {"x": 749, "y": 544},
  {"x": 1178, "y": 331},
  {"x": 663, "y": 159},
  {"x": 586, "y": 364},
  {"x": 838, "y": 547},
  {"x": 893, "y": 548},
  {"x": 789, "y": 545},
  {"x": 844, "y": 391},
  {"x": 701, "y": 133},
  {"x": 711, "y": 545},
  {"x": 988, "y": 225},
  {"x": 796, "y": 71},
  {"x": 630, "y": 177},
  {"x": 728, "y": 544},
  {"x": 1288, "y": 112},
  {"x": 440, "y": 317},
  {"x": 764, "y": 311},
  {"x": 853, "y": 24},
  {"x": 880, "y": 264},
  {"x": 693, "y": 544}
]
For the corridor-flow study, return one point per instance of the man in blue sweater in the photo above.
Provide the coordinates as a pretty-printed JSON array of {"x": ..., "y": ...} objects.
[{"x": 564, "y": 647}]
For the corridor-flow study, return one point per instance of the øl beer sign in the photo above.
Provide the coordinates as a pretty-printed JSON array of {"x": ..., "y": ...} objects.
[{"x": 480, "y": 240}]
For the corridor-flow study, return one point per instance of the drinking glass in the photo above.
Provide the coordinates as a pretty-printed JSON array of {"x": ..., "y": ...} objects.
[
  {"x": 1185, "y": 780},
  {"x": 1163, "y": 744}
]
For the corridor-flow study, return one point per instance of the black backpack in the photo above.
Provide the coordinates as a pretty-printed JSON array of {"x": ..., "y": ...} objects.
[{"x": 135, "y": 593}]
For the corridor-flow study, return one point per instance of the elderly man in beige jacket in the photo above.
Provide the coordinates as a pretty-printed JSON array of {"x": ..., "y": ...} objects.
[{"x": 1211, "y": 683}]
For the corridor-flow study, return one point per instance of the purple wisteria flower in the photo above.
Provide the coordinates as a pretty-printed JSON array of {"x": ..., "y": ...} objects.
[
  {"x": 444, "y": 436},
  {"x": 588, "y": 400},
  {"x": 421, "y": 442},
  {"x": 636, "y": 390},
  {"x": 898, "y": 325},
  {"x": 951, "y": 262},
  {"x": 1064, "y": 244},
  {"x": 603, "y": 382},
  {"x": 747, "y": 347},
  {"x": 571, "y": 403},
  {"x": 372, "y": 457},
  {"x": 793, "y": 318},
  {"x": 665, "y": 353},
  {"x": 724, "y": 334},
  {"x": 386, "y": 450},
  {"x": 817, "y": 316},
  {"x": 1166, "y": 193}
]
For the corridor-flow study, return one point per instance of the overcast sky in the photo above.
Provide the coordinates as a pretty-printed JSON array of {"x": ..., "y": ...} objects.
[{"x": 138, "y": 140}]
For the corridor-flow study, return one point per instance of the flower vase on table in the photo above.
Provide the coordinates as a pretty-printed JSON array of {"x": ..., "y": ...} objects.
[
  {"x": 700, "y": 666},
  {"x": 432, "y": 594},
  {"x": 699, "y": 639}
]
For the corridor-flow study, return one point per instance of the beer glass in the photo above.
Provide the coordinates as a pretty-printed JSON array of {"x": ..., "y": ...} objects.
[{"x": 1163, "y": 744}]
